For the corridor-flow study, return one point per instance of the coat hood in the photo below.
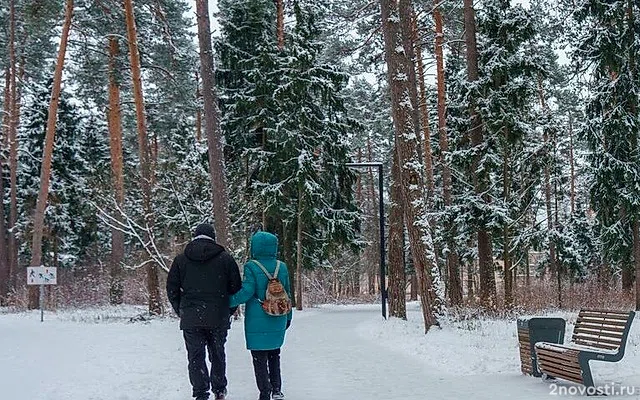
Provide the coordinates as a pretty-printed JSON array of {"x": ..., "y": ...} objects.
[
  {"x": 202, "y": 249},
  {"x": 264, "y": 245}
]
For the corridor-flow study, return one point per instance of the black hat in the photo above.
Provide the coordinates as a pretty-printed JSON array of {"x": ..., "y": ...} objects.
[{"x": 205, "y": 230}]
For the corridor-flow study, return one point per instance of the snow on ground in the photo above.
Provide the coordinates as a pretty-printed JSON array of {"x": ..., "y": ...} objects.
[{"x": 345, "y": 352}]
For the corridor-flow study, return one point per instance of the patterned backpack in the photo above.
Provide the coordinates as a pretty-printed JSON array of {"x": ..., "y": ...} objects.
[{"x": 276, "y": 300}]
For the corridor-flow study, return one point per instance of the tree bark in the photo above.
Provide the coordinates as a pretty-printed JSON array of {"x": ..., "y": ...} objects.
[
  {"x": 146, "y": 171},
  {"x": 627, "y": 275},
  {"x": 45, "y": 171},
  {"x": 553, "y": 264},
  {"x": 374, "y": 253},
  {"x": 634, "y": 111},
  {"x": 289, "y": 234},
  {"x": 636, "y": 257},
  {"x": 470, "y": 289},
  {"x": 397, "y": 278},
  {"x": 399, "y": 68},
  {"x": 413, "y": 294},
  {"x": 422, "y": 101},
  {"x": 198, "y": 110},
  {"x": 485, "y": 251},
  {"x": 280, "y": 23},
  {"x": 219, "y": 190},
  {"x": 508, "y": 275},
  {"x": 527, "y": 267},
  {"x": 114, "y": 120},
  {"x": 455, "y": 282},
  {"x": 572, "y": 166},
  {"x": 299, "y": 252},
  {"x": 4, "y": 259},
  {"x": 14, "y": 118}
]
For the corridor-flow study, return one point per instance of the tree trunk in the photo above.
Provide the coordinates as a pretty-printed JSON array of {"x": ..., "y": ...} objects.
[
  {"x": 4, "y": 259},
  {"x": 470, "y": 290},
  {"x": 116, "y": 284},
  {"x": 399, "y": 67},
  {"x": 572, "y": 166},
  {"x": 485, "y": 251},
  {"x": 508, "y": 275},
  {"x": 219, "y": 190},
  {"x": 636, "y": 259},
  {"x": 14, "y": 119},
  {"x": 146, "y": 171},
  {"x": 422, "y": 101},
  {"x": 363, "y": 263},
  {"x": 397, "y": 278},
  {"x": 634, "y": 111},
  {"x": 627, "y": 275},
  {"x": 198, "y": 110},
  {"x": 287, "y": 251},
  {"x": 409, "y": 24},
  {"x": 45, "y": 171},
  {"x": 527, "y": 267},
  {"x": 413, "y": 294},
  {"x": 455, "y": 282},
  {"x": 374, "y": 253},
  {"x": 299, "y": 252},
  {"x": 280, "y": 23},
  {"x": 553, "y": 264}
]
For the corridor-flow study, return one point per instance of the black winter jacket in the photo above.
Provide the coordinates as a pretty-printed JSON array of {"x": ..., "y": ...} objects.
[{"x": 199, "y": 284}]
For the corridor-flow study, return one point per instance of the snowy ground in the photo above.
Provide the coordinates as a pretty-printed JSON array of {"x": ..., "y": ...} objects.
[{"x": 331, "y": 352}]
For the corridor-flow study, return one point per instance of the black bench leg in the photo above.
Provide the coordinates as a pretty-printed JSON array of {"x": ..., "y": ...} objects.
[{"x": 587, "y": 378}]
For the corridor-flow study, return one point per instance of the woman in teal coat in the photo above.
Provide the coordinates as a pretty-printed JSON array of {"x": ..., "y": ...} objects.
[{"x": 264, "y": 333}]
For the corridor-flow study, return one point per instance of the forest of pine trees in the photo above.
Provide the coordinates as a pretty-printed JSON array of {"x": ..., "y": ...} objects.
[{"x": 509, "y": 134}]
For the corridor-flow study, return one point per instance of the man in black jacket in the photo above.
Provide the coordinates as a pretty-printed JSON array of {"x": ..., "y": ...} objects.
[{"x": 198, "y": 286}]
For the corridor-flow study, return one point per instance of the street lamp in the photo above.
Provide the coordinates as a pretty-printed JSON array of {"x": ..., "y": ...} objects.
[{"x": 383, "y": 273}]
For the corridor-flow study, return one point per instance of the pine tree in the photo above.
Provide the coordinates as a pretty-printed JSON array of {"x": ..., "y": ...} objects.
[
  {"x": 609, "y": 46},
  {"x": 507, "y": 86},
  {"x": 285, "y": 121},
  {"x": 45, "y": 172},
  {"x": 220, "y": 196},
  {"x": 77, "y": 168}
]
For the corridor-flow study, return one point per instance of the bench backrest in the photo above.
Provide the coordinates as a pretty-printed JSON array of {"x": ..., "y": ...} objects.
[{"x": 603, "y": 329}]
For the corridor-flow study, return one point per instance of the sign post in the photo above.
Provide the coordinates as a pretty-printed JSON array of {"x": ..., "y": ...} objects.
[{"x": 42, "y": 276}]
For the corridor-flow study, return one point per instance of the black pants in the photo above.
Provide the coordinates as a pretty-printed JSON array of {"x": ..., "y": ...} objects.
[
  {"x": 266, "y": 366},
  {"x": 197, "y": 342}
]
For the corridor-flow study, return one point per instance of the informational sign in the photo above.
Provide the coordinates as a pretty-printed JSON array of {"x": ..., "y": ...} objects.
[{"x": 42, "y": 276}]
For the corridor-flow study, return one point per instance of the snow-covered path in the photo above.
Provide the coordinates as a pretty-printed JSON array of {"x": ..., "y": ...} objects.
[{"x": 326, "y": 357}]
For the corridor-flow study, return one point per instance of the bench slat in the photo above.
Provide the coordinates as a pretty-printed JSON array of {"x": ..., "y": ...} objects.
[
  {"x": 562, "y": 374},
  {"x": 590, "y": 343},
  {"x": 620, "y": 317},
  {"x": 598, "y": 332},
  {"x": 600, "y": 327},
  {"x": 599, "y": 339},
  {"x": 603, "y": 311},
  {"x": 560, "y": 351},
  {"x": 604, "y": 321},
  {"x": 573, "y": 370}
]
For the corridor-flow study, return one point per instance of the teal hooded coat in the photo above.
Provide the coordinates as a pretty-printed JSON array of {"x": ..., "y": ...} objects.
[{"x": 262, "y": 331}]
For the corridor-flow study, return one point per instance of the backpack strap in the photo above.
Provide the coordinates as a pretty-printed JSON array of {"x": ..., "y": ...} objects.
[
  {"x": 275, "y": 273},
  {"x": 265, "y": 270}
]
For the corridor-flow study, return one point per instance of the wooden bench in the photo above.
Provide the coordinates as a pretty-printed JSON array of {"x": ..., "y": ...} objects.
[{"x": 599, "y": 335}]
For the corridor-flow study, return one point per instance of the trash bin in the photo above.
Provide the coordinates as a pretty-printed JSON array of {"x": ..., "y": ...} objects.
[{"x": 537, "y": 329}]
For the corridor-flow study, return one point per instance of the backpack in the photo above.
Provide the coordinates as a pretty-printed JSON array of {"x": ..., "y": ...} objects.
[{"x": 276, "y": 300}]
